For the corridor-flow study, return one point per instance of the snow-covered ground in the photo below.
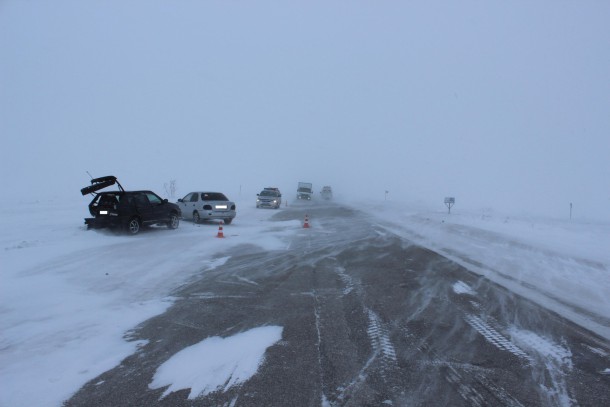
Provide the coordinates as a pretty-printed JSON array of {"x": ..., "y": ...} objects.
[{"x": 69, "y": 296}]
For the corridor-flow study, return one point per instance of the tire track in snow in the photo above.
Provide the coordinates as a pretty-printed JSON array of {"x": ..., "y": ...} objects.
[
  {"x": 346, "y": 279},
  {"x": 498, "y": 340},
  {"x": 498, "y": 391},
  {"x": 552, "y": 361},
  {"x": 455, "y": 374},
  {"x": 377, "y": 331},
  {"x": 495, "y": 337},
  {"x": 383, "y": 360},
  {"x": 316, "y": 311},
  {"x": 468, "y": 393},
  {"x": 380, "y": 340},
  {"x": 484, "y": 328}
]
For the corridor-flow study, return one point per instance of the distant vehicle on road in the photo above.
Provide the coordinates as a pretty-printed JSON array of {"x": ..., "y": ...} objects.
[
  {"x": 128, "y": 210},
  {"x": 326, "y": 193},
  {"x": 198, "y": 206},
  {"x": 305, "y": 191},
  {"x": 269, "y": 198}
]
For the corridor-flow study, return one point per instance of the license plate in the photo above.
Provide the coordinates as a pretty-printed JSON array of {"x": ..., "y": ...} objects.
[
  {"x": 103, "y": 212},
  {"x": 221, "y": 206}
]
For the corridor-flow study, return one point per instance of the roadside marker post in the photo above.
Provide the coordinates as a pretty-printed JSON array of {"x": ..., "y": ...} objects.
[{"x": 449, "y": 202}]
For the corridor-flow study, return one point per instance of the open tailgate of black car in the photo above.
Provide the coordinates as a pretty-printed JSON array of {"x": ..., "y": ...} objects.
[{"x": 100, "y": 183}]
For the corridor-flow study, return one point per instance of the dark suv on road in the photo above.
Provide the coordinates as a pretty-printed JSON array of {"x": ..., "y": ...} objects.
[{"x": 128, "y": 210}]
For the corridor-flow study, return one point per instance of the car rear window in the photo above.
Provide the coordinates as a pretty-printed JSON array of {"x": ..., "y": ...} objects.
[{"x": 213, "y": 196}]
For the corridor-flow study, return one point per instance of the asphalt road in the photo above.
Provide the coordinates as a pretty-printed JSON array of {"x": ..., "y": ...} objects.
[{"x": 369, "y": 320}]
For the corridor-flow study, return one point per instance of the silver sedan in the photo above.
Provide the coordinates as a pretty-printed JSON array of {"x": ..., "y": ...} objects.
[{"x": 198, "y": 206}]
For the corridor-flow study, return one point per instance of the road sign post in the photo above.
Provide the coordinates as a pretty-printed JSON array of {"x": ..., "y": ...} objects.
[{"x": 449, "y": 202}]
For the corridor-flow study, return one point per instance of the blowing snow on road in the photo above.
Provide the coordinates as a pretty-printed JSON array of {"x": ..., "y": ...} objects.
[{"x": 355, "y": 310}]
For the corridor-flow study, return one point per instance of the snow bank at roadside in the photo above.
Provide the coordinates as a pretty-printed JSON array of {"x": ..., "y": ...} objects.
[{"x": 561, "y": 264}]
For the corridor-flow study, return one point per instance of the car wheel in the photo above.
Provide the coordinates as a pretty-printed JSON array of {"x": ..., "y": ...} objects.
[
  {"x": 133, "y": 226},
  {"x": 173, "y": 221},
  {"x": 228, "y": 221},
  {"x": 196, "y": 217}
]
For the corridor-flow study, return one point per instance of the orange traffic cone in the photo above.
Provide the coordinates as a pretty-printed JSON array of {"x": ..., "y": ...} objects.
[
  {"x": 220, "y": 232},
  {"x": 306, "y": 224}
]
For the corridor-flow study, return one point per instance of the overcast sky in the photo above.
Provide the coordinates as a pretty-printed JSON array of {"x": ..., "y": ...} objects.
[{"x": 500, "y": 104}]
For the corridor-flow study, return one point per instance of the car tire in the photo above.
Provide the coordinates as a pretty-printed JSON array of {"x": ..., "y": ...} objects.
[
  {"x": 228, "y": 221},
  {"x": 196, "y": 217},
  {"x": 173, "y": 221},
  {"x": 133, "y": 226}
]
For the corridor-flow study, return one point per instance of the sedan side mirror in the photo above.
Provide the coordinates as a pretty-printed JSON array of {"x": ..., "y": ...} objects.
[{"x": 180, "y": 200}]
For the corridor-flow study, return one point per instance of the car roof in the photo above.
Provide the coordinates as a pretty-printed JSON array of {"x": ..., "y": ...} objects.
[{"x": 126, "y": 192}]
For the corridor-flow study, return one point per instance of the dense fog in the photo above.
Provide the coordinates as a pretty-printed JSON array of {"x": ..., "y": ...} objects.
[{"x": 502, "y": 106}]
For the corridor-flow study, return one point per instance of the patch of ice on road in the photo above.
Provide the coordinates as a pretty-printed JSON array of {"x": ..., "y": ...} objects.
[
  {"x": 597, "y": 351},
  {"x": 543, "y": 346},
  {"x": 246, "y": 280},
  {"x": 216, "y": 363},
  {"x": 215, "y": 263},
  {"x": 461, "y": 287},
  {"x": 555, "y": 361}
]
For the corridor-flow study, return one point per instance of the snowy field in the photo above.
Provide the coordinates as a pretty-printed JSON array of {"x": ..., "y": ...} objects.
[{"x": 69, "y": 297}]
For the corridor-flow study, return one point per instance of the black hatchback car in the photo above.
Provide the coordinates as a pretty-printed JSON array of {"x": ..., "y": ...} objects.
[{"x": 128, "y": 210}]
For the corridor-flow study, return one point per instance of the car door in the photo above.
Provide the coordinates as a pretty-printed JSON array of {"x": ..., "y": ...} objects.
[
  {"x": 143, "y": 207},
  {"x": 189, "y": 205},
  {"x": 158, "y": 208},
  {"x": 185, "y": 204}
]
